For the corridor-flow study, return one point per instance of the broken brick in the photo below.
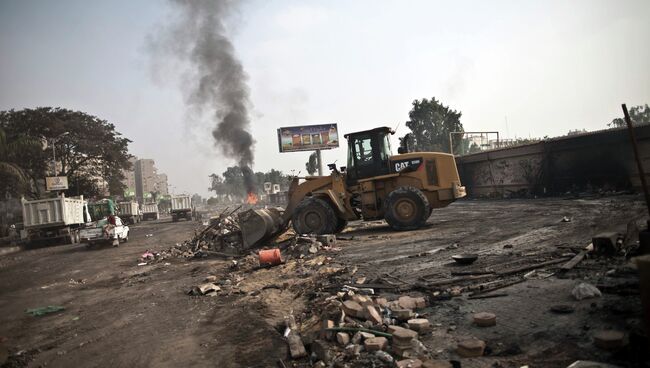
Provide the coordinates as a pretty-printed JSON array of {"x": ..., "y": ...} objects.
[
  {"x": 402, "y": 314},
  {"x": 485, "y": 319},
  {"x": 421, "y": 325},
  {"x": 409, "y": 363},
  {"x": 436, "y": 364},
  {"x": 372, "y": 315},
  {"x": 342, "y": 338},
  {"x": 375, "y": 343},
  {"x": 362, "y": 300},
  {"x": 322, "y": 350},
  {"x": 353, "y": 309},
  {"x": 470, "y": 348},
  {"x": 406, "y": 302},
  {"x": 420, "y": 302},
  {"x": 404, "y": 336},
  {"x": 382, "y": 302}
]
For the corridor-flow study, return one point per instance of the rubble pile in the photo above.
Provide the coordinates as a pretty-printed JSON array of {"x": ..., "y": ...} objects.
[
  {"x": 354, "y": 329},
  {"x": 222, "y": 236}
]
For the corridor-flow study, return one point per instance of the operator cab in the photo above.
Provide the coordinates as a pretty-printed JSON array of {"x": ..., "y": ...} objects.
[{"x": 368, "y": 154}]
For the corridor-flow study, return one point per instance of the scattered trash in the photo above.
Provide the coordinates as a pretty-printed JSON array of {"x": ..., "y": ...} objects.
[
  {"x": 566, "y": 219},
  {"x": 585, "y": 291},
  {"x": 142, "y": 264},
  {"x": 204, "y": 289},
  {"x": 148, "y": 235},
  {"x": 271, "y": 257},
  {"x": 37, "y": 312},
  {"x": 147, "y": 255}
]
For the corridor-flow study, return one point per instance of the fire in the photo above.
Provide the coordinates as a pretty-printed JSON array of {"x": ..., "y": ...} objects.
[{"x": 252, "y": 198}]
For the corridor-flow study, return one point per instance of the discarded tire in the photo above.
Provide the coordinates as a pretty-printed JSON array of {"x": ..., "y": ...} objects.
[{"x": 406, "y": 208}]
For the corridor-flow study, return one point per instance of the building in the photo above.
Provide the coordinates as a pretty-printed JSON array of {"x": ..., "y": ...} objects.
[
  {"x": 144, "y": 179},
  {"x": 161, "y": 184}
]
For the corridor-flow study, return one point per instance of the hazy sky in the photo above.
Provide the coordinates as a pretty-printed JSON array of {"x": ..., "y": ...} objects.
[{"x": 545, "y": 67}]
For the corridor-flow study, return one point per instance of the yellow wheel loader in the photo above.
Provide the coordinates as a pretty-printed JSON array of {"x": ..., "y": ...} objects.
[{"x": 403, "y": 189}]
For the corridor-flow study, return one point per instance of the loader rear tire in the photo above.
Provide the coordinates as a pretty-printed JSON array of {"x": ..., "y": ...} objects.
[
  {"x": 314, "y": 216},
  {"x": 406, "y": 209}
]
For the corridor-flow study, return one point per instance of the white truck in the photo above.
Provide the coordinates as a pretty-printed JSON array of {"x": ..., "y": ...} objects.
[
  {"x": 150, "y": 211},
  {"x": 103, "y": 231},
  {"x": 54, "y": 219},
  {"x": 181, "y": 207},
  {"x": 129, "y": 212}
]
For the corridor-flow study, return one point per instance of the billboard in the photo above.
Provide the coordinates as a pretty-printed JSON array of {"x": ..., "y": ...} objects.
[
  {"x": 56, "y": 183},
  {"x": 308, "y": 138}
]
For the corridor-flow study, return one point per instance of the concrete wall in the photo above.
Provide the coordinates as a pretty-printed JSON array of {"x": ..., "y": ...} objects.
[{"x": 602, "y": 159}]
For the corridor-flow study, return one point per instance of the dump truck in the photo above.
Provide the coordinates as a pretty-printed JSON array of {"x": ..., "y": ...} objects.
[
  {"x": 181, "y": 207},
  {"x": 54, "y": 219},
  {"x": 402, "y": 189},
  {"x": 102, "y": 208},
  {"x": 129, "y": 212},
  {"x": 150, "y": 211}
]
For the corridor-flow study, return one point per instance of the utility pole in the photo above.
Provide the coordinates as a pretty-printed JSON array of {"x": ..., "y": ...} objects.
[{"x": 319, "y": 163}]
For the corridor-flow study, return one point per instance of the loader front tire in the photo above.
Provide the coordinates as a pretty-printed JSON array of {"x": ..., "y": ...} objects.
[
  {"x": 406, "y": 209},
  {"x": 340, "y": 225},
  {"x": 314, "y": 216}
]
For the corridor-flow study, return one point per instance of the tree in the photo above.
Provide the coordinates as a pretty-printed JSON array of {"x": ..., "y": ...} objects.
[
  {"x": 90, "y": 153},
  {"x": 638, "y": 114},
  {"x": 312, "y": 164},
  {"x": 430, "y": 123},
  {"x": 13, "y": 178}
]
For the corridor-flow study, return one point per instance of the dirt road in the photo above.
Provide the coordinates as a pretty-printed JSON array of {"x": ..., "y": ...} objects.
[{"x": 119, "y": 314}]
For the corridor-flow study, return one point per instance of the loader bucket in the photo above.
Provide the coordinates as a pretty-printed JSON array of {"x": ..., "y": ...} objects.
[{"x": 258, "y": 225}]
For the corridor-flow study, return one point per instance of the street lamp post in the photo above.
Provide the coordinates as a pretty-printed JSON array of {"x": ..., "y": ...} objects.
[{"x": 54, "y": 140}]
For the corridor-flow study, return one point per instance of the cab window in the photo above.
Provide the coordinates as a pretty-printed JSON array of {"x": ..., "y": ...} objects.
[{"x": 363, "y": 150}]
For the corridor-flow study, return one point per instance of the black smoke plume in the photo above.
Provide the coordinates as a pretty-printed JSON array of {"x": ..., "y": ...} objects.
[{"x": 216, "y": 81}]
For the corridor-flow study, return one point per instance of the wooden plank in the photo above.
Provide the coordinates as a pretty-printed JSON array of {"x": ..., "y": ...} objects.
[{"x": 574, "y": 261}]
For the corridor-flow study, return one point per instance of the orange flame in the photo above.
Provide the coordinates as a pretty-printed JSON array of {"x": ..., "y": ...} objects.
[{"x": 252, "y": 198}]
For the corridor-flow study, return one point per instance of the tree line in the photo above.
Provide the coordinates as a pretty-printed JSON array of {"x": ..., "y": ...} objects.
[
  {"x": 89, "y": 151},
  {"x": 231, "y": 182}
]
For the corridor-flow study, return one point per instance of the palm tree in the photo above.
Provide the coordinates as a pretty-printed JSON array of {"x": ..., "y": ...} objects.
[{"x": 9, "y": 151}]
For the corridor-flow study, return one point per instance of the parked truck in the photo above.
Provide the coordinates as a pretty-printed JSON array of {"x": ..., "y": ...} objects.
[
  {"x": 129, "y": 212},
  {"x": 181, "y": 207},
  {"x": 101, "y": 209},
  {"x": 150, "y": 211},
  {"x": 54, "y": 219}
]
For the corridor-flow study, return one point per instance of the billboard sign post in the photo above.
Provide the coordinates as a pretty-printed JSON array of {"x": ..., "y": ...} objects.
[
  {"x": 55, "y": 183},
  {"x": 309, "y": 138}
]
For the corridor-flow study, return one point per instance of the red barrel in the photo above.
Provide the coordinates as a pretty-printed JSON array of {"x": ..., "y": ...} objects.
[{"x": 270, "y": 257}]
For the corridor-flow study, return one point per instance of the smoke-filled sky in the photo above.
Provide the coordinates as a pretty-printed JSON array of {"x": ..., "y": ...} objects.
[{"x": 524, "y": 68}]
